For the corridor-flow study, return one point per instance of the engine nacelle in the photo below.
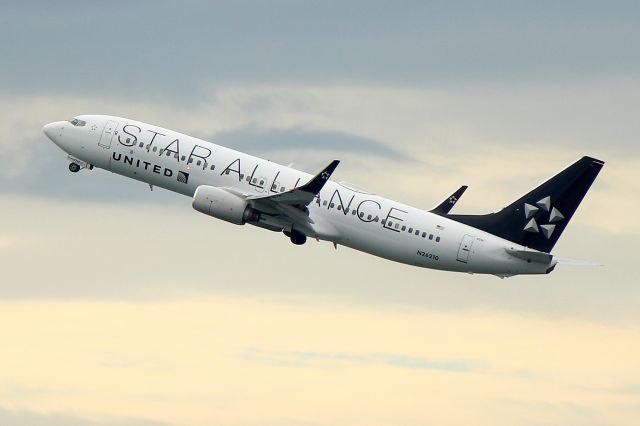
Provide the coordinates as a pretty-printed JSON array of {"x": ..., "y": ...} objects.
[{"x": 223, "y": 205}]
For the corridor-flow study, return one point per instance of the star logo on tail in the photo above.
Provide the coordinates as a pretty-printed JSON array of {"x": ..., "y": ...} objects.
[{"x": 539, "y": 211}]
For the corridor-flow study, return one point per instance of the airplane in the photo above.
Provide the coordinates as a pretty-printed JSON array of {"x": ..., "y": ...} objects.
[{"x": 242, "y": 189}]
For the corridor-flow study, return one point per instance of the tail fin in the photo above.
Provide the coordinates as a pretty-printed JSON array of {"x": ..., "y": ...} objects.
[{"x": 537, "y": 219}]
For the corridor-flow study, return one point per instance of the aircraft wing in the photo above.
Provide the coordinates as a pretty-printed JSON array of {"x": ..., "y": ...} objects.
[
  {"x": 291, "y": 206},
  {"x": 445, "y": 207},
  {"x": 303, "y": 195}
]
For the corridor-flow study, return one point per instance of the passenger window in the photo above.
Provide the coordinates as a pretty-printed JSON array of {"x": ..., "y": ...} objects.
[
  {"x": 176, "y": 156},
  {"x": 353, "y": 212},
  {"x": 282, "y": 189},
  {"x": 397, "y": 225},
  {"x": 431, "y": 236},
  {"x": 404, "y": 228},
  {"x": 241, "y": 176},
  {"x": 212, "y": 167},
  {"x": 437, "y": 239},
  {"x": 168, "y": 153},
  {"x": 161, "y": 152},
  {"x": 389, "y": 224},
  {"x": 383, "y": 221},
  {"x": 424, "y": 234},
  {"x": 248, "y": 178},
  {"x": 361, "y": 214},
  {"x": 141, "y": 144},
  {"x": 411, "y": 230},
  {"x": 155, "y": 148},
  {"x": 375, "y": 219},
  {"x": 253, "y": 181},
  {"x": 368, "y": 217},
  {"x": 339, "y": 207},
  {"x": 184, "y": 158},
  {"x": 198, "y": 163},
  {"x": 261, "y": 182},
  {"x": 191, "y": 161},
  {"x": 417, "y": 232},
  {"x": 332, "y": 205}
]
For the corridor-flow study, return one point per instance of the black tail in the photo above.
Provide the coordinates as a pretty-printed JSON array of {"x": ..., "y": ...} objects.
[{"x": 537, "y": 219}]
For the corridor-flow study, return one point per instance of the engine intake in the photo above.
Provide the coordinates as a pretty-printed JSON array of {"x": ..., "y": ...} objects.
[{"x": 223, "y": 205}]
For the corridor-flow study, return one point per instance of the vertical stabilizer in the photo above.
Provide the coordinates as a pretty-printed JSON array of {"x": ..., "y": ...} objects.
[{"x": 538, "y": 218}]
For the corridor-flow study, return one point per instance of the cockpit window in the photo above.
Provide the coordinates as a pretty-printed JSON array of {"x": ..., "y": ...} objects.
[{"x": 78, "y": 123}]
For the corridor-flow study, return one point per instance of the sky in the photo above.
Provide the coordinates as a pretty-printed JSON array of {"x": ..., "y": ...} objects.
[{"x": 121, "y": 306}]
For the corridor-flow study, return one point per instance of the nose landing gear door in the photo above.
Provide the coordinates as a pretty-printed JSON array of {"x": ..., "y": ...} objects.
[{"x": 107, "y": 134}]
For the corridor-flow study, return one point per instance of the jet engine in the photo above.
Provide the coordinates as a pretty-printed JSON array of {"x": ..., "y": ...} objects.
[{"x": 224, "y": 205}]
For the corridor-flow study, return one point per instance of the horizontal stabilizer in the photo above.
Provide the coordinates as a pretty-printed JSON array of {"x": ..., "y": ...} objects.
[
  {"x": 530, "y": 255},
  {"x": 446, "y": 206}
]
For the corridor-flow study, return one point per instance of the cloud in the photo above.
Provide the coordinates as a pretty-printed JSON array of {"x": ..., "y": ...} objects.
[
  {"x": 481, "y": 135},
  {"x": 33, "y": 418},
  {"x": 299, "y": 139},
  {"x": 418, "y": 44},
  {"x": 340, "y": 360},
  {"x": 180, "y": 253},
  {"x": 204, "y": 360}
]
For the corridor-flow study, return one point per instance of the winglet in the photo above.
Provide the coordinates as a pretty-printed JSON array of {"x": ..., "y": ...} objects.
[
  {"x": 445, "y": 207},
  {"x": 315, "y": 185}
]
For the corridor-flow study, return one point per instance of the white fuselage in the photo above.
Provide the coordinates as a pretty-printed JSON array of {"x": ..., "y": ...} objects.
[{"x": 362, "y": 221}]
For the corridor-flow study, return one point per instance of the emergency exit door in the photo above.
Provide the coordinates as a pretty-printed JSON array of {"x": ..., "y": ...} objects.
[{"x": 465, "y": 248}]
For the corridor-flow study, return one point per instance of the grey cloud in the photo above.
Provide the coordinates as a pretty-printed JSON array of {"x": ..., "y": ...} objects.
[
  {"x": 256, "y": 140},
  {"x": 168, "y": 49},
  {"x": 33, "y": 418}
]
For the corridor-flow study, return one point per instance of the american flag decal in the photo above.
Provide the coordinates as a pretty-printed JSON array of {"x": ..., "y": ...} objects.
[{"x": 183, "y": 177}]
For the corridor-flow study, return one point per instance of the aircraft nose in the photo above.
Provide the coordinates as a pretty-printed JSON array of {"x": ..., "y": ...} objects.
[
  {"x": 54, "y": 130},
  {"x": 49, "y": 130}
]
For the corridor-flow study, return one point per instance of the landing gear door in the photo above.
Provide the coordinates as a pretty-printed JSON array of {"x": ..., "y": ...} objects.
[
  {"x": 465, "y": 248},
  {"x": 107, "y": 134}
]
